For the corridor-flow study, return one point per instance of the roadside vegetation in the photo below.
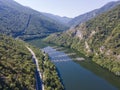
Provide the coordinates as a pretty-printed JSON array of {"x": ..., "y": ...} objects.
[
  {"x": 50, "y": 77},
  {"x": 16, "y": 66}
]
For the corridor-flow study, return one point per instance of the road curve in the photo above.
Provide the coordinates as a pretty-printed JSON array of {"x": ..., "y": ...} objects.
[{"x": 39, "y": 79}]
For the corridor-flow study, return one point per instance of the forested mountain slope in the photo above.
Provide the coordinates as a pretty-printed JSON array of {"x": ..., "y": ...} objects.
[
  {"x": 17, "y": 69},
  {"x": 16, "y": 66},
  {"x": 92, "y": 14},
  {"x": 20, "y": 21},
  {"x": 98, "y": 38}
]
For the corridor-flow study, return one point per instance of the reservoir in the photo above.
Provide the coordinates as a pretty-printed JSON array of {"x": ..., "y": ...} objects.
[{"x": 76, "y": 76}]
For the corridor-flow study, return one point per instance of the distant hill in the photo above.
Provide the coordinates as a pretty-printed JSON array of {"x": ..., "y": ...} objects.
[
  {"x": 98, "y": 38},
  {"x": 63, "y": 20},
  {"x": 24, "y": 22},
  {"x": 87, "y": 16}
]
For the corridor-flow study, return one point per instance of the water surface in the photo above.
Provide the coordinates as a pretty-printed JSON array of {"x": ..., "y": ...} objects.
[{"x": 76, "y": 77}]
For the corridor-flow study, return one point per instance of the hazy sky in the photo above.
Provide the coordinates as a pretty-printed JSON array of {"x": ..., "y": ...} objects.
[{"x": 69, "y": 8}]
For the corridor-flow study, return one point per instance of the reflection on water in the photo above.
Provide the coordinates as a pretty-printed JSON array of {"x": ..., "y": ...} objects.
[{"x": 74, "y": 76}]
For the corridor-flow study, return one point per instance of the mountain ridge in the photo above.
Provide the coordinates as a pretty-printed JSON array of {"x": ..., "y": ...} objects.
[
  {"x": 89, "y": 15},
  {"x": 14, "y": 20},
  {"x": 63, "y": 20}
]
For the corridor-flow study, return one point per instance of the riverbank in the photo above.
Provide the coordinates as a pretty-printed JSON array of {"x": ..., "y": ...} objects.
[
  {"x": 88, "y": 64},
  {"x": 93, "y": 67},
  {"x": 74, "y": 76},
  {"x": 39, "y": 77},
  {"x": 46, "y": 70}
]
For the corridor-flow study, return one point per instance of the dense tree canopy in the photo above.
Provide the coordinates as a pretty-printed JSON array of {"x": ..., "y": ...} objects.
[
  {"x": 17, "y": 69},
  {"x": 16, "y": 66}
]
